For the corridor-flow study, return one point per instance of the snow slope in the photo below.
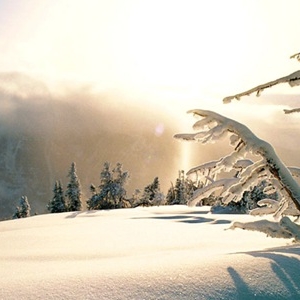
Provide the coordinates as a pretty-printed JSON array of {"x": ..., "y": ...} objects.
[{"x": 168, "y": 252}]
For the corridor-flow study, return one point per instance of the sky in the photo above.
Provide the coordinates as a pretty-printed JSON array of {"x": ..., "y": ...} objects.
[
  {"x": 176, "y": 55},
  {"x": 174, "y": 48}
]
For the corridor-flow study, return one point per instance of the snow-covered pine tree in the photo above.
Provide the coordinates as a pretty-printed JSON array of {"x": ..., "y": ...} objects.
[
  {"x": 117, "y": 190},
  {"x": 151, "y": 194},
  {"x": 177, "y": 193},
  {"x": 73, "y": 191},
  {"x": 93, "y": 202},
  {"x": 105, "y": 176},
  {"x": 153, "y": 188},
  {"x": 23, "y": 210},
  {"x": 136, "y": 197},
  {"x": 159, "y": 199},
  {"x": 58, "y": 203},
  {"x": 182, "y": 191},
  {"x": 100, "y": 195},
  {"x": 170, "y": 195},
  {"x": 111, "y": 191}
]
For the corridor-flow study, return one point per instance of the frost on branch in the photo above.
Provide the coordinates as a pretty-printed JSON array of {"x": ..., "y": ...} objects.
[
  {"x": 213, "y": 126},
  {"x": 290, "y": 111},
  {"x": 297, "y": 56},
  {"x": 295, "y": 171},
  {"x": 272, "y": 229},
  {"x": 292, "y": 79},
  {"x": 283, "y": 229},
  {"x": 266, "y": 206},
  {"x": 207, "y": 190}
]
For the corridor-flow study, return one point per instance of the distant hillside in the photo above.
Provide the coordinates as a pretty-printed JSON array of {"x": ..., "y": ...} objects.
[{"x": 41, "y": 134}]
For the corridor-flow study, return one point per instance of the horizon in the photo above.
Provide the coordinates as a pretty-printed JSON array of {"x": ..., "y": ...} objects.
[{"x": 153, "y": 61}]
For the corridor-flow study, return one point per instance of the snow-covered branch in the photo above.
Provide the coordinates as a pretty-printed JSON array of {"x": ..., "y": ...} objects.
[
  {"x": 213, "y": 126},
  {"x": 266, "y": 206},
  {"x": 290, "y": 111},
  {"x": 204, "y": 169},
  {"x": 283, "y": 229},
  {"x": 295, "y": 171},
  {"x": 292, "y": 79},
  {"x": 296, "y": 56},
  {"x": 206, "y": 191}
]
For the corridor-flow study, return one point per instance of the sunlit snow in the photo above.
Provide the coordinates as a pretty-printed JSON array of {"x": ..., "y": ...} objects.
[{"x": 167, "y": 252}]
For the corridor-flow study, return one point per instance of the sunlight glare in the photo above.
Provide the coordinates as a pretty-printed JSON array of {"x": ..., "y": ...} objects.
[{"x": 183, "y": 43}]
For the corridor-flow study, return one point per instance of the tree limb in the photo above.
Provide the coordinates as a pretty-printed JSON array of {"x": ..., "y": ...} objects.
[{"x": 292, "y": 79}]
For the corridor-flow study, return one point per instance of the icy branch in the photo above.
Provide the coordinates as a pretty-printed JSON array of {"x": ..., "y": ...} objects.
[
  {"x": 295, "y": 171},
  {"x": 248, "y": 143},
  {"x": 204, "y": 192},
  {"x": 272, "y": 229},
  {"x": 266, "y": 206},
  {"x": 201, "y": 170},
  {"x": 290, "y": 111},
  {"x": 245, "y": 183},
  {"x": 292, "y": 79},
  {"x": 291, "y": 227},
  {"x": 296, "y": 56},
  {"x": 284, "y": 229}
]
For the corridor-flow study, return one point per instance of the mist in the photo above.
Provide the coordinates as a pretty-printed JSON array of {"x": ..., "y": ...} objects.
[{"x": 42, "y": 132}]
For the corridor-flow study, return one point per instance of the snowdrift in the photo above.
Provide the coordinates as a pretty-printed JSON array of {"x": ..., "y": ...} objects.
[{"x": 168, "y": 252}]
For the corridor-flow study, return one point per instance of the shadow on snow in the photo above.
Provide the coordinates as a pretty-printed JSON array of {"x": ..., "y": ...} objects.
[{"x": 285, "y": 264}]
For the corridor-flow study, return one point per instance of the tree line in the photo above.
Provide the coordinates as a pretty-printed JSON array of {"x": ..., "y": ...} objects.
[{"x": 110, "y": 193}]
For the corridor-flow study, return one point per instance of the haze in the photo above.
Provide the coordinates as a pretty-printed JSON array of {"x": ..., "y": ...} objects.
[{"x": 132, "y": 68}]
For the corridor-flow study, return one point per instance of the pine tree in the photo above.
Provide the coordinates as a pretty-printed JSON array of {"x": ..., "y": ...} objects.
[
  {"x": 23, "y": 210},
  {"x": 111, "y": 191},
  {"x": 181, "y": 192},
  {"x": 170, "y": 195},
  {"x": 73, "y": 191},
  {"x": 151, "y": 194},
  {"x": 93, "y": 201},
  {"x": 153, "y": 189},
  {"x": 57, "y": 204},
  {"x": 136, "y": 197},
  {"x": 117, "y": 190}
]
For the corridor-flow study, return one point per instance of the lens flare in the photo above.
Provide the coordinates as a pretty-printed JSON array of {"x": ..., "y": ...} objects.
[{"x": 159, "y": 129}]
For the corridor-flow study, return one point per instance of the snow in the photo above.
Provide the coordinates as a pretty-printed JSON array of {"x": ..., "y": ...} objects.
[
  {"x": 167, "y": 252},
  {"x": 292, "y": 79},
  {"x": 269, "y": 165}
]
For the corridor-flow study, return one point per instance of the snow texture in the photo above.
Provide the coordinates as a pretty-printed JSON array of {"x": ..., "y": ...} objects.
[{"x": 167, "y": 252}]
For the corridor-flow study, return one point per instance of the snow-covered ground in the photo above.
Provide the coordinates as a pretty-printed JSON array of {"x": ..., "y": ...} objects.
[{"x": 167, "y": 252}]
